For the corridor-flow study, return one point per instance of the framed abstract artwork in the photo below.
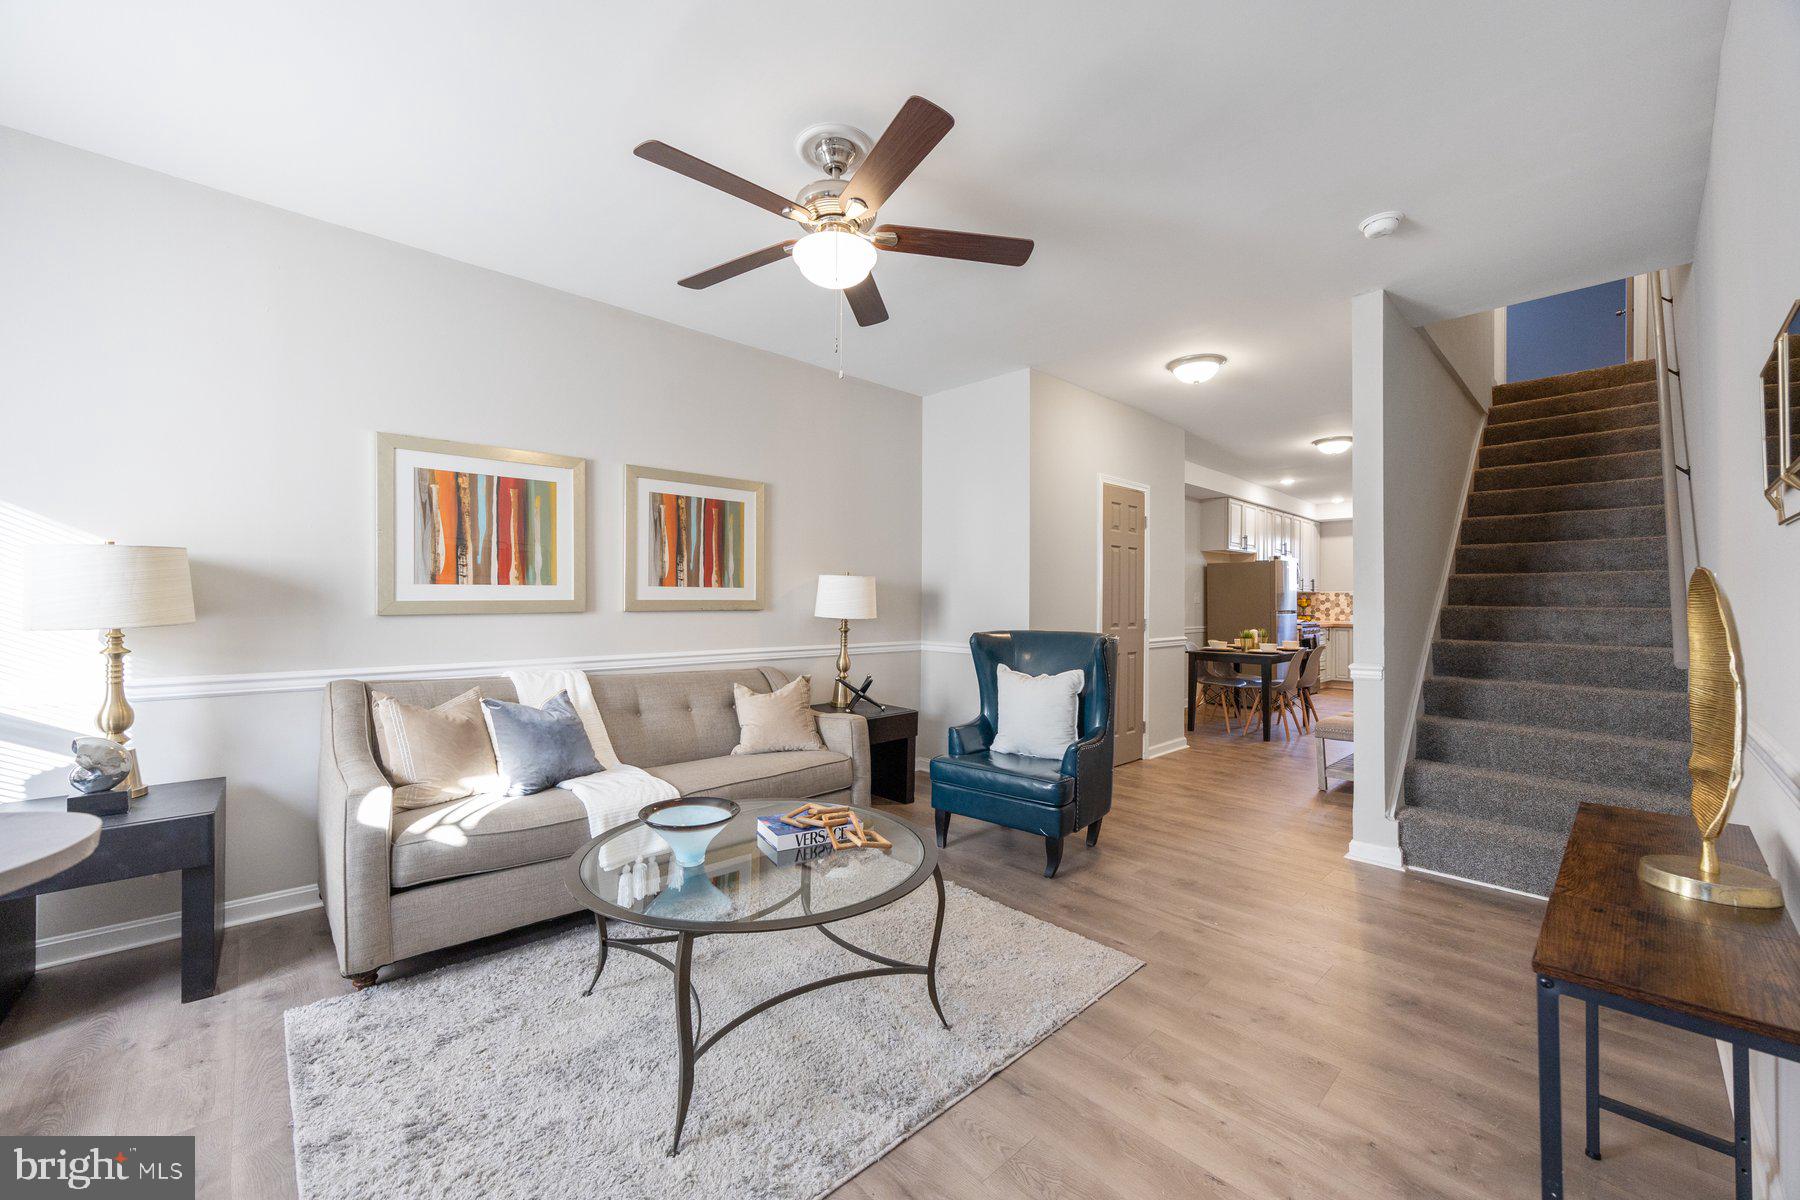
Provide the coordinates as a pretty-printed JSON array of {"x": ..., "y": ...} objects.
[
  {"x": 693, "y": 542},
  {"x": 479, "y": 529}
]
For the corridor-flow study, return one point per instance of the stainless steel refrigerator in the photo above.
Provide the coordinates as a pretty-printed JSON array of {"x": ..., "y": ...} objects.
[{"x": 1250, "y": 595}]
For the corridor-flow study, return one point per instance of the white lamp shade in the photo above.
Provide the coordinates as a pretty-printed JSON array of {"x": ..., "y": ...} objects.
[
  {"x": 846, "y": 597},
  {"x": 107, "y": 587}
]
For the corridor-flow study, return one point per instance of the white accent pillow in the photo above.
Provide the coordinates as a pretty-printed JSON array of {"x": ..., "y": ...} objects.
[
  {"x": 779, "y": 720},
  {"x": 1037, "y": 712}
]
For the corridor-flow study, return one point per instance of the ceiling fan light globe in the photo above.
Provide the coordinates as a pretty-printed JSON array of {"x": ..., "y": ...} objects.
[{"x": 832, "y": 258}]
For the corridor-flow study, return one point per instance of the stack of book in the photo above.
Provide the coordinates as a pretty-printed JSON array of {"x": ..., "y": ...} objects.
[{"x": 780, "y": 835}]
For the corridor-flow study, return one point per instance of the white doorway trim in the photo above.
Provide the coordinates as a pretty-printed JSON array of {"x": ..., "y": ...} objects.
[{"x": 1100, "y": 481}]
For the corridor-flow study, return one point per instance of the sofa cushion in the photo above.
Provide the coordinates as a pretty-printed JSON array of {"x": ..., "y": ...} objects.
[
  {"x": 1039, "y": 780},
  {"x": 773, "y": 776},
  {"x": 485, "y": 833},
  {"x": 491, "y": 833}
]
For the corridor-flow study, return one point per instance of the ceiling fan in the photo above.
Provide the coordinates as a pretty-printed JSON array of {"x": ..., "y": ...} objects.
[{"x": 839, "y": 248}]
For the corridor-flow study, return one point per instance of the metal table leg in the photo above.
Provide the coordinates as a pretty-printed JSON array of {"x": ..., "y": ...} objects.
[
  {"x": 1268, "y": 669},
  {"x": 600, "y": 956},
  {"x": 1549, "y": 1091},
  {"x": 684, "y": 1035},
  {"x": 1593, "y": 1080},
  {"x": 1740, "y": 1115},
  {"x": 937, "y": 932}
]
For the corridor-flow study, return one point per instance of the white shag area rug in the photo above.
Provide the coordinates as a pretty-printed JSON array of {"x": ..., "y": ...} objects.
[{"x": 496, "y": 1078}]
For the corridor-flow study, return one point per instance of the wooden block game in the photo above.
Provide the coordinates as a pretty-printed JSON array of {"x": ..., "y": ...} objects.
[{"x": 841, "y": 825}]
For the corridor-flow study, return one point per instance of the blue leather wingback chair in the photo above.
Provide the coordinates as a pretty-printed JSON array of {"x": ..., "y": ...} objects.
[{"x": 1044, "y": 796}]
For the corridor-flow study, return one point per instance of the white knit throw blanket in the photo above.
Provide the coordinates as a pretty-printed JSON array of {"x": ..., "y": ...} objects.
[{"x": 615, "y": 795}]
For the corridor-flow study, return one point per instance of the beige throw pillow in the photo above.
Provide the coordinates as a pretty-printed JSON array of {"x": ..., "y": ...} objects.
[
  {"x": 778, "y": 720},
  {"x": 435, "y": 754}
]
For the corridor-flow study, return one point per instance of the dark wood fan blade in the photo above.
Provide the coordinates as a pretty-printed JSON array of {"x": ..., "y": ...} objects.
[
  {"x": 948, "y": 243},
  {"x": 701, "y": 171},
  {"x": 737, "y": 266},
  {"x": 909, "y": 137},
  {"x": 866, "y": 303}
]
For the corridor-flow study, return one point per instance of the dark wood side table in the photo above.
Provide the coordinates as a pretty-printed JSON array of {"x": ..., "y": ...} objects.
[
  {"x": 173, "y": 827},
  {"x": 1613, "y": 941},
  {"x": 893, "y": 736}
]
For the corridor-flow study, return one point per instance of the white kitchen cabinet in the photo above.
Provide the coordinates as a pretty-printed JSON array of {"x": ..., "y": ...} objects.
[
  {"x": 1340, "y": 650},
  {"x": 1309, "y": 555}
]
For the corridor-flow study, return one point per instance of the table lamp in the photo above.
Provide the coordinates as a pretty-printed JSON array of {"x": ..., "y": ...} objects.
[
  {"x": 109, "y": 588},
  {"x": 845, "y": 598}
]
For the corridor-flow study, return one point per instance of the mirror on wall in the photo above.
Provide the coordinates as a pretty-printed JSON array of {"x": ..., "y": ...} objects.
[{"x": 1780, "y": 379}]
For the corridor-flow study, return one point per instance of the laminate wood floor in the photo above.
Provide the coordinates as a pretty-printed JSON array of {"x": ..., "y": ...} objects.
[{"x": 1305, "y": 1027}]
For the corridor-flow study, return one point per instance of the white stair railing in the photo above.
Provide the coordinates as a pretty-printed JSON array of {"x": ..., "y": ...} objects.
[{"x": 1677, "y": 473}]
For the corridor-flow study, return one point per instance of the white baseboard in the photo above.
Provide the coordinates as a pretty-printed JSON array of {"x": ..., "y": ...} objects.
[
  {"x": 922, "y": 765},
  {"x": 109, "y": 939},
  {"x": 1168, "y": 747},
  {"x": 1376, "y": 855},
  {"x": 1480, "y": 883}
]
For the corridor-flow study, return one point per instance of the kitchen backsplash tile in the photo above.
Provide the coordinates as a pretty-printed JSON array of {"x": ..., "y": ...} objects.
[{"x": 1326, "y": 606}]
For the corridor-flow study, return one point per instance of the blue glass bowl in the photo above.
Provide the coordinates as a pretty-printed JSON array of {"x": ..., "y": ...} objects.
[{"x": 688, "y": 825}]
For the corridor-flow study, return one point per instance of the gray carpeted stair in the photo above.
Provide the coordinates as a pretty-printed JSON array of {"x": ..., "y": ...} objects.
[{"x": 1552, "y": 678}]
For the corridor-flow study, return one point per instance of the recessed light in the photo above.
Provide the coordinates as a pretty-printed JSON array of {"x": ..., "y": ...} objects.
[
  {"x": 1196, "y": 368},
  {"x": 1332, "y": 445},
  {"x": 1287, "y": 481},
  {"x": 1381, "y": 224}
]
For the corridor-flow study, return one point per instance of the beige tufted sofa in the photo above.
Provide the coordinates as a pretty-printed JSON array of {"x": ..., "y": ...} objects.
[{"x": 400, "y": 883}]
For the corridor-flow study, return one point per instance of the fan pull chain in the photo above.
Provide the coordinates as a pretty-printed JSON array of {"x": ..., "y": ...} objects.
[{"x": 840, "y": 333}]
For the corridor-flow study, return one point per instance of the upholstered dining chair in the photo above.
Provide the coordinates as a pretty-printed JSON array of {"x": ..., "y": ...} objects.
[{"x": 1046, "y": 796}]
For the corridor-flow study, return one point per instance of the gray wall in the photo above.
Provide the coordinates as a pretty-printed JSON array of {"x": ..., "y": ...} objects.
[
  {"x": 976, "y": 562},
  {"x": 180, "y": 366},
  {"x": 1746, "y": 273},
  {"x": 1076, "y": 437},
  {"x": 1416, "y": 434}
]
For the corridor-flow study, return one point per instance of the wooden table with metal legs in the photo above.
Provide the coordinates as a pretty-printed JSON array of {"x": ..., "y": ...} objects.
[
  {"x": 1612, "y": 941},
  {"x": 1266, "y": 660}
]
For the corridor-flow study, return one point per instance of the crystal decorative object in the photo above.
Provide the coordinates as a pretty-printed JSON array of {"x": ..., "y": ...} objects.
[{"x": 101, "y": 764}]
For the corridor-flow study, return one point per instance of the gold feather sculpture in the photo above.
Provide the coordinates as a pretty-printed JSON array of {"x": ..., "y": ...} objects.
[{"x": 1716, "y": 717}]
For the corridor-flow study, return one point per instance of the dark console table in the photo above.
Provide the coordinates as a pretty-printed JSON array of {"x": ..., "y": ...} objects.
[
  {"x": 1612, "y": 941},
  {"x": 173, "y": 827},
  {"x": 893, "y": 736}
]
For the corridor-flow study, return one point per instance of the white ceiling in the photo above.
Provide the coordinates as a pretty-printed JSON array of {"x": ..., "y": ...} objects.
[{"x": 1193, "y": 172}]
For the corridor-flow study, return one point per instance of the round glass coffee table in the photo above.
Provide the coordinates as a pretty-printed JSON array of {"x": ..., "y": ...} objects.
[{"x": 628, "y": 875}]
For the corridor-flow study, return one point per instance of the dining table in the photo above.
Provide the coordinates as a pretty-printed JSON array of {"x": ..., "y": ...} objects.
[{"x": 1265, "y": 660}]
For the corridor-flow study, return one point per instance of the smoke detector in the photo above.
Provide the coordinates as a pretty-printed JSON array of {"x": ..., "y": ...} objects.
[{"x": 1381, "y": 224}]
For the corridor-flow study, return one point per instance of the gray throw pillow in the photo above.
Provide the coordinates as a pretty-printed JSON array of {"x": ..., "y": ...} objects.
[{"x": 538, "y": 748}]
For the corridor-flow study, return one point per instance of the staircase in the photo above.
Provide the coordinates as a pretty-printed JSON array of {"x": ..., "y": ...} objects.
[{"x": 1552, "y": 680}]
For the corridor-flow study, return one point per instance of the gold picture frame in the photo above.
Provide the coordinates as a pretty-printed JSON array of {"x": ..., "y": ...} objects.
[
  {"x": 708, "y": 534},
  {"x": 478, "y": 529}
]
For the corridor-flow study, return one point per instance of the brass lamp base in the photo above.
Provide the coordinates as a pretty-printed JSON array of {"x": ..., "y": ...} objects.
[
  {"x": 1737, "y": 886},
  {"x": 840, "y": 691}
]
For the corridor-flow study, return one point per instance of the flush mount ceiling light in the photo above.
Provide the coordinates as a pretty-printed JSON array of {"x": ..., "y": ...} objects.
[
  {"x": 1332, "y": 445},
  {"x": 1287, "y": 481},
  {"x": 833, "y": 257},
  {"x": 1196, "y": 368},
  {"x": 1381, "y": 224}
]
